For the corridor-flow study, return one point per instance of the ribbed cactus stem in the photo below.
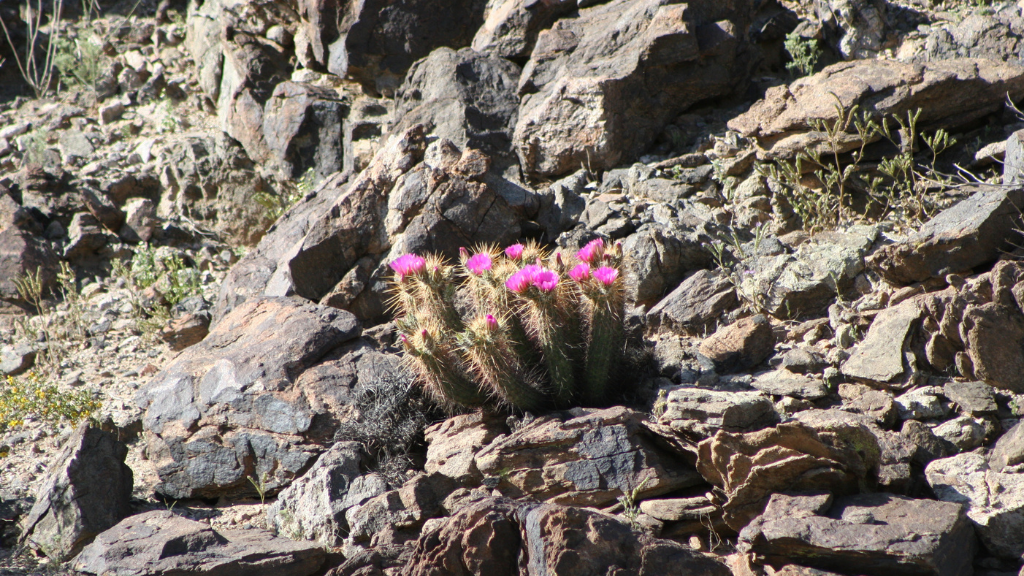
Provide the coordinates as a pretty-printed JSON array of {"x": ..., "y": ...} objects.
[
  {"x": 553, "y": 335},
  {"x": 602, "y": 291},
  {"x": 490, "y": 353},
  {"x": 436, "y": 287},
  {"x": 435, "y": 360}
]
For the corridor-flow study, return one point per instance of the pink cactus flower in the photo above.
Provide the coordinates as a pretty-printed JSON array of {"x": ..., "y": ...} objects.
[
  {"x": 515, "y": 251},
  {"x": 546, "y": 280},
  {"x": 408, "y": 265},
  {"x": 479, "y": 263},
  {"x": 606, "y": 275},
  {"x": 523, "y": 279},
  {"x": 580, "y": 272},
  {"x": 492, "y": 323},
  {"x": 463, "y": 252},
  {"x": 592, "y": 251},
  {"x": 403, "y": 339}
]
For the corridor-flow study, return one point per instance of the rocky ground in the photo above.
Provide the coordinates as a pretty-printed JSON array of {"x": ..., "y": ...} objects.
[{"x": 196, "y": 223}]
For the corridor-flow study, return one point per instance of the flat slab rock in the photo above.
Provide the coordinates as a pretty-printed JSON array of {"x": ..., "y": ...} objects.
[
  {"x": 879, "y": 357},
  {"x": 969, "y": 233},
  {"x": 703, "y": 411},
  {"x": 160, "y": 543},
  {"x": 871, "y": 534},
  {"x": 695, "y": 303},
  {"x": 587, "y": 460}
]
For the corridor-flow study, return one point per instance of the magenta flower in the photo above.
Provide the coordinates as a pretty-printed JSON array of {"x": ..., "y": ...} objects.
[
  {"x": 492, "y": 323},
  {"x": 546, "y": 280},
  {"x": 407, "y": 265},
  {"x": 515, "y": 251},
  {"x": 402, "y": 338},
  {"x": 592, "y": 251},
  {"x": 580, "y": 272},
  {"x": 606, "y": 275},
  {"x": 523, "y": 279},
  {"x": 479, "y": 263}
]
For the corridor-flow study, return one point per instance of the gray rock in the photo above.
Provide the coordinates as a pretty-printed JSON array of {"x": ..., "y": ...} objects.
[
  {"x": 695, "y": 304},
  {"x": 970, "y": 233},
  {"x": 705, "y": 411},
  {"x": 510, "y": 27},
  {"x": 302, "y": 126},
  {"x": 24, "y": 253},
  {"x": 87, "y": 490},
  {"x": 1008, "y": 451},
  {"x": 85, "y": 237},
  {"x": 993, "y": 335},
  {"x": 314, "y": 506},
  {"x": 994, "y": 501},
  {"x": 922, "y": 404},
  {"x": 879, "y": 358},
  {"x": 452, "y": 444},
  {"x": 964, "y": 432},
  {"x": 74, "y": 144},
  {"x": 639, "y": 63},
  {"x": 590, "y": 459},
  {"x": 786, "y": 383},
  {"x": 247, "y": 401},
  {"x": 159, "y": 542},
  {"x": 140, "y": 221},
  {"x": 858, "y": 27},
  {"x": 740, "y": 345},
  {"x": 867, "y": 534},
  {"x": 16, "y": 359},
  {"x": 1013, "y": 164},
  {"x": 973, "y": 398},
  {"x": 876, "y": 404},
  {"x": 678, "y": 509}
]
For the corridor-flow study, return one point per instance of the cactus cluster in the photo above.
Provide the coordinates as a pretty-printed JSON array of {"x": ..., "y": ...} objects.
[{"x": 519, "y": 327}]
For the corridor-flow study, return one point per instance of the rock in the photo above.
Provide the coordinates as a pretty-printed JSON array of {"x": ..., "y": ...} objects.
[
  {"x": 678, "y": 509},
  {"x": 211, "y": 180},
  {"x": 858, "y": 26},
  {"x": 660, "y": 256},
  {"x": 970, "y": 233},
  {"x": 510, "y": 27},
  {"x": 973, "y": 398},
  {"x": 24, "y": 253},
  {"x": 706, "y": 411},
  {"x": 396, "y": 514},
  {"x": 364, "y": 49},
  {"x": 73, "y": 144},
  {"x": 302, "y": 126},
  {"x": 399, "y": 204},
  {"x": 561, "y": 205},
  {"x": 993, "y": 335},
  {"x": 804, "y": 283},
  {"x": 922, "y": 404},
  {"x": 85, "y": 237},
  {"x": 87, "y": 490},
  {"x": 102, "y": 208},
  {"x": 876, "y": 404},
  {"x": 638, "y": 64},
  {"x": 16, "y": 359},
  {"x": 249, "y": 400},
  {"x": 964, "y": 432},
  {"x": 924, "y": 444},
  {"x": 994, "y": 501},
  {"x": 786, "y": 383},
  {"x": 943, "y": 90},
  {"x": 800, "y": 360},
  {"x": 743, "y": 344},
  {"x": 590, "y": 459},
  {"x": 186, "y": 330},
  {"x": 160, "y": 542},
  {"x": 140, "y": 221},
  {"x": 1008, "y": 450},
  {"x": 465, "y": 96},
  {"x": 451, "y": 445},
  {"x": 494, "y": 536},
  {"x": 314, "y": 506},
  {"x": 695, "y": 304},
  {"x": 829, "y": 452},
  {"x": 880, "y": 358},
  {"x": 110, "y": 113},
  {"x": 1013, "y": 165},
  {"x": 865, "y": 534},
  {"x": 981, "y": 34}
]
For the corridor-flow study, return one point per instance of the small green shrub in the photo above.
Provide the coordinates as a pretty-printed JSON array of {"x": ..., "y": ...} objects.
[
  {"x": 80, "y": 61},
  {"x": 32, "y": 397},
  {"x": 803, "y": 52}
]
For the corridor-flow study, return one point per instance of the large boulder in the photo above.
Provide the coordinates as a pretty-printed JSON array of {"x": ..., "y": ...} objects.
[
  {"x": 23, "y": 253},
  {"x": 589, "y": 460},
  {"x": 410, "y": 199},
  {"x": 949, "y": 93},
  {"x": 303, "y": 128},
  {"x": 511, "y": 27},
  {"x": 970, "y": 233},
  {"x": 871, "y": 534},
  {"x": 160, "y": 542},
  {"x": 829, "y": 450},
  {"x": 87, "y": 489},
  {"x": 257, "y": 400},
  {"x": 600, "y": 87}
]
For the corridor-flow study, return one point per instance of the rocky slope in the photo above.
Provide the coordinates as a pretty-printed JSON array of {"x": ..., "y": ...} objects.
[{"x": 823, "y": 279}]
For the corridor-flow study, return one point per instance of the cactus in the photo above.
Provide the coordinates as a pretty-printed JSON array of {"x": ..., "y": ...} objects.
[{"x": 542, "y": 330}]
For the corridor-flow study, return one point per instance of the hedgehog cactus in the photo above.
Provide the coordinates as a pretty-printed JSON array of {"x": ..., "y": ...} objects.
[{"x": 540, "y": 330}]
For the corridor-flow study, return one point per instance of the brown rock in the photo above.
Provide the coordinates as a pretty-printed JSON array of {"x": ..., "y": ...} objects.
[
  {"x": 100, "y": 206},
  {"x": 743, "y": 344},
  {"x": 185, "y": 331},
  {"x": 827, "y": 453},
  {"x": 588, "y": 460},
  {"x": 950, "y": 93},
  {"x": 24, "y": 253},
  {"x": 511, "y": 27},
  {"x": 677, "y": 509},
  {"x": 700, "y": 411},
  {"x": 451, "y": 445},
  {"x": 994, "y": 340},
  {"x": 302, "y": 126},
  {"x": 866, "y": 534},
  {"x": 970, "y": 233}
]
